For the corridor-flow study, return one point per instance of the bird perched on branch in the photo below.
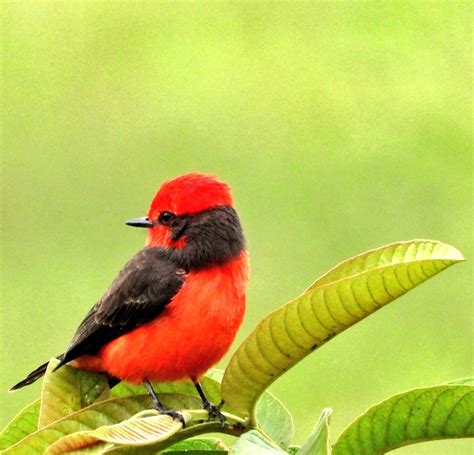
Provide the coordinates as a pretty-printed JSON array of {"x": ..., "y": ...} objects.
[{"x": 175, "y": 308}]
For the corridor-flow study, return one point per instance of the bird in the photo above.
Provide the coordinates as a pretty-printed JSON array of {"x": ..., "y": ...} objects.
[{"x": 174, "y": 309}]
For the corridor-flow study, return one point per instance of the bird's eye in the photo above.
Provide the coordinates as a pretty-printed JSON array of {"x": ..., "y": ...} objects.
[{"x": 166, "y": 218}]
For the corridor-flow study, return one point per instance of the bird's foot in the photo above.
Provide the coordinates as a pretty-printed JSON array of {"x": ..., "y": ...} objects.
[
  {"x": 175, "y": 415},
  {"x": 159, "y": 406},
  {"x": 215, "y": 413}
]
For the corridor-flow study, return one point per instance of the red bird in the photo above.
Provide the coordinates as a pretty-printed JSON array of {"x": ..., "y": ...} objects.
[{"x": 175, "y": 308}]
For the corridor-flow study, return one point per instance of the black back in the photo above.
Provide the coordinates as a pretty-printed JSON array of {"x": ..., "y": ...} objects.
[{"x": 139, "y": 294}]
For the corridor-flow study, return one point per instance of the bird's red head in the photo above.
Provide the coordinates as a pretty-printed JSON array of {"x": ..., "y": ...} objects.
[{"x": 184, "y": 195}]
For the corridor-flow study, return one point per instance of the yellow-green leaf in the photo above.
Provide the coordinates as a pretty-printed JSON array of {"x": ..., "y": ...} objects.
[
  {"x": 146, "y": 432},
  {"x": 192, "y": 445},
  {"x": 275, "y": 420},
  {"x": 68, "y": 390},
  {"x": 392, "y": 254},
  {"x": 79, "y": 442},
  {"x": 348, "y": 293},
  {"x": 439, "y": 412},
  {"x": 105, "y": 412},
  {"x": 140, "y": 431},
  {"x": 23, "y": 424}
]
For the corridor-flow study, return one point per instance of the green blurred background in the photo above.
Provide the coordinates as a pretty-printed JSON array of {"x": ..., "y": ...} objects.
[{"x": 340, "y": 126}]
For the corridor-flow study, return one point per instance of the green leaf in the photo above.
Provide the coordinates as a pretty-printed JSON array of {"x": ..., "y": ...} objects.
[
  {"x": 275, "y": 420},
  {"x": 25, "y": 422},
  {"x": 421, "y": 252},
  {"x": 345, "y": 295},
  {"x": 318, "y": 441},
  {"x": 215, "y": 373},
  {"x": 197, "y": 444},
  {"x": 105, "y": 412},
  {"x": 439, "y": 412},
  {"x": 253, "y": 442},
  {"x": 68, "y": 390}
]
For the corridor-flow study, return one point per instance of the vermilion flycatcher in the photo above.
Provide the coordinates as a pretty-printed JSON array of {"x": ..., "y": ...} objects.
[{"x": 175, "y": 308}]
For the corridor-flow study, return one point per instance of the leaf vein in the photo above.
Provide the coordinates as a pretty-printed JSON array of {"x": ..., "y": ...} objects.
[
  {"x": 301, "y": 319},
  {"x": 400, "y": 282},
  {"x": 465, "y": 428},
  {"x": 345, "y": 307},
  {"x": 262, "y": 353},
  {"x": 289, "y": 334},
  {"x": 386, "y": 288},
  {"x": 251, "y": 358},
  {"x": 356, "y": 300},
  {"x": 377, "y": 304},
  {"x": 387, "y": 426},
  {"x": 313, "y": 309},
  {"x": 328, "y": 308},
  {"x": 430, "y": 413},
  {"x": 409, "y": 272},
  {"x": 285, "y": 354},
  {"x": 423, "y": 271},
  {"x": 456, "y": 403}
]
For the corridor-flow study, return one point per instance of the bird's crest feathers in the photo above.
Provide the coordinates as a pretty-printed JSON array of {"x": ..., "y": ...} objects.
[{"x": 190, "y": 193}]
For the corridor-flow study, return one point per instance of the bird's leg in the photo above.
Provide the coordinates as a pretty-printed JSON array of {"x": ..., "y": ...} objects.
[
  {"x": 160, "y": 407},
  {"x": 212, "y": 409}
]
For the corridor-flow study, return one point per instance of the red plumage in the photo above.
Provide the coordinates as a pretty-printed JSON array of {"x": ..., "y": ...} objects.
[{"x": 191, "y": 335}]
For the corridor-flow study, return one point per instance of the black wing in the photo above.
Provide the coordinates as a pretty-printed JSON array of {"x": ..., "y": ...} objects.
[{"x": 139, "y": 294}]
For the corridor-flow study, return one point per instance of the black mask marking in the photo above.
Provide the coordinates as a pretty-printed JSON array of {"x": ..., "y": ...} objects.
[{"x": 212, "y": 237}]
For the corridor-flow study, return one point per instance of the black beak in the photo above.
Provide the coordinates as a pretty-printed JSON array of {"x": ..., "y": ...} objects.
[{"x": 142, "y": 222}]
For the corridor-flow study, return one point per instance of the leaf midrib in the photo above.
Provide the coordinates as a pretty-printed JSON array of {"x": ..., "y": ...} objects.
[{"x": 384, "y": 266}]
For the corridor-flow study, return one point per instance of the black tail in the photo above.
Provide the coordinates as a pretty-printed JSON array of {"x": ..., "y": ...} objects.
[
  {"x": 33, "y": 376},
  {"x": 41, "y": 370}
]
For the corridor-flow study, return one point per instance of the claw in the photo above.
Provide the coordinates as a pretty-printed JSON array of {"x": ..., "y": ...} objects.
[
  {"x": 160, "y": 408},
  {"x": 173, "y": 414},
  {"x": 215, "y": 412}
]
